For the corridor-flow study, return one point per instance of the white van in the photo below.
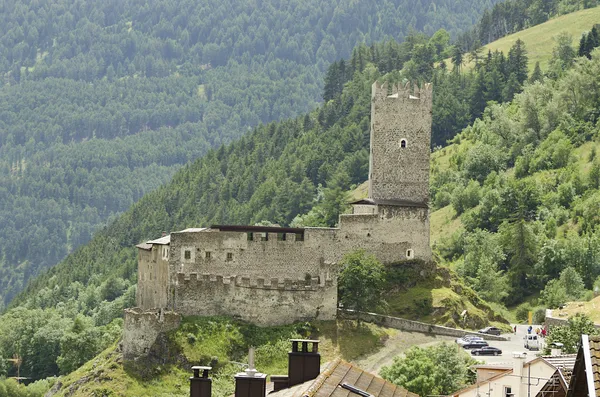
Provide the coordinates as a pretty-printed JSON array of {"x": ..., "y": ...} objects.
[{"x": 531, "y": 342}]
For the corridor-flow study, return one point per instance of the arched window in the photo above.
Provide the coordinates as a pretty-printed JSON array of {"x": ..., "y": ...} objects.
[{"x": 403, "y": 143}]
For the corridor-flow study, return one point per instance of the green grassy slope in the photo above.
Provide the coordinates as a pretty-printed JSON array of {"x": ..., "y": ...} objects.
[
  {"x": 539, "y": 39},
  {"x": 218, "y": 342}
]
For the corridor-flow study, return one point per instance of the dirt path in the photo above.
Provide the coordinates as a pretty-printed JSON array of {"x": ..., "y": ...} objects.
[{"x": 397, "y": 344}]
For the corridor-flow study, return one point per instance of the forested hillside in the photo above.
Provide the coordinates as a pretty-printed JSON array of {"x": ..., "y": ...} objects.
[
  {"x": 100, "y": 102},
  {"x": 297, "y": 172},
  {"x": 512, "y": 16}
]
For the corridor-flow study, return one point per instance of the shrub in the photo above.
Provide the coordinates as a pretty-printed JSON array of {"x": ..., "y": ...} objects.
[{"x": 522, "y": 312}]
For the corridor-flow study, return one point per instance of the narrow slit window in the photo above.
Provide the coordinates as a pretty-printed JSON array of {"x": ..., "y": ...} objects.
[
  {"x": 187, "y": 254},
  {"x": 403, "y": 143},
  {"x": 229, "y": 256},
  {"x": 410, "y": 254},
  {"x": 280, "y": 236},
  {"x": 250, "y": 236},
  {"x": 264, "y": 237},
  {"x": 207, "y": 255}
]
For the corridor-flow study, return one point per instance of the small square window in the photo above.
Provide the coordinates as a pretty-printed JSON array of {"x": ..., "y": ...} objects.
[
  {"x": 264, "y": 237},
  {"x": 229, "y": 256},
  {"x": 250, "y": 236},
  {"x": 187, "y": 254},
  {"x": 207, "y": 255},
  {"x": 299, "y": 236},
  {"x": 280, "y": 236}
]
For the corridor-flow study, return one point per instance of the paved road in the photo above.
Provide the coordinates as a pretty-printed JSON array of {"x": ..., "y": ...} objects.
[{"x": 515, "y": 344}]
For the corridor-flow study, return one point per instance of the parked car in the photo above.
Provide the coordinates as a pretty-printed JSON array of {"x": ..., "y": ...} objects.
[
  {"x": 468, "y": 338},
  {"x": 475, "y": 344},
  {"x": 490, "y": 331},
  {"x": 487, "y": 351}
]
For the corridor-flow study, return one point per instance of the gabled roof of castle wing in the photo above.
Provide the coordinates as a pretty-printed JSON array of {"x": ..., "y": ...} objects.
[
  {"x": 161, "y": 241},
  {"x": 394, "y": 203},
  {"x": 264, "y": 229}
]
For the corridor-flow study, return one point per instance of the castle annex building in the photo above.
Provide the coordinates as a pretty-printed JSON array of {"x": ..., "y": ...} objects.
[{"x": 276, "y": 275}]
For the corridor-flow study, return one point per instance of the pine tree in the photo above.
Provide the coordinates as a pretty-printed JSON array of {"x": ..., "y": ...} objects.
[
  {"x": 457, "y": 58},
  {"x": 536, "y": 75},
  {"x": 511, "y": 88},
  {"x": 478, "y": 100},
  {"x": 582, "y": 51},
  {"x": 517, "y": 61}
]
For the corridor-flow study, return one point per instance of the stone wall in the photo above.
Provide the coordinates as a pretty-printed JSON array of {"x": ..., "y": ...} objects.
[
  {"x": 141, "y": 328},
  {"x": 260, "y": 301},
  {"x": 400, "y": 142},
  {"x": 388, "y": 234},
  {"x": 415, "y": 326},
  {"x": 153, "y": 277}
]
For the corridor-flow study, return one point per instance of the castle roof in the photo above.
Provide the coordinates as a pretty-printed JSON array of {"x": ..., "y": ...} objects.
[
  {"x": 394, "y": 203},
  {"x": 265, "y": 229}
]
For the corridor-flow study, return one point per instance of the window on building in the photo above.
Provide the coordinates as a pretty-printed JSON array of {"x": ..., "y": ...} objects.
[
  {"x": 410, "y": 254},
  {"x": 403, "y": 143},
  {"x": 207, "y": 255},
  {"x": 299, "y": 236},
  {"x": 264, "y": 237},
  {"x": 280, "y": 236},
  {"x": 508, "y": 391},
  {"x": 229, "y": 256},
  {"x": 187, "y": 254},
  {"x": 250, "y": 236}
]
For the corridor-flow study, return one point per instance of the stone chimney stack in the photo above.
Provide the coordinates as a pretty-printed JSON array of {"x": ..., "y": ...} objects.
[
  {"x": 303, "y": 364},
  {"x": 519, "y": 361},
  {"x": 200, "y": 384},
  {"x": 250, "y": 383}
]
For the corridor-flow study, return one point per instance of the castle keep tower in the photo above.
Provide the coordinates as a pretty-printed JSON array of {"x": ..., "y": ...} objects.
[{"x": 400, "y": 143}]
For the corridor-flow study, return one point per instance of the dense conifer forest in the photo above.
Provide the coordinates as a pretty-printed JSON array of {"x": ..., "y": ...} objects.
[{"x": 100, "y": 102}]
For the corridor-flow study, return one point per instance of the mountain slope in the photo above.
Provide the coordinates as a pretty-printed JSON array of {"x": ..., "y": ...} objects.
[
  {"x": 516, "y": 194},
  {"x": 102, "y": 101},
  {"x": 540, "y": 39}
]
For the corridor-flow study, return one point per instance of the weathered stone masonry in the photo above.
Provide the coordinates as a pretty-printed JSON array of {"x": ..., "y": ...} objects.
[{"x": 272, "y": 275}]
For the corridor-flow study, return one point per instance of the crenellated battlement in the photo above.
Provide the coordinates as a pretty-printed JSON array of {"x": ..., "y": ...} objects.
[
  {"x": 194, "y": 280},
  {"x": 400, "y": 91}
]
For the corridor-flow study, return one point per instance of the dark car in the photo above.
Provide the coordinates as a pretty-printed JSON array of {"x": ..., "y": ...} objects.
[
  {"x": 490, "y": 331},
  {"x": 487, "y": 351},
  {"x": 475, "y": 344}
]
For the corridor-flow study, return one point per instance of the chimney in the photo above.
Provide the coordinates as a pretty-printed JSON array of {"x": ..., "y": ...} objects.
[
  {"x": 250, "y": 383},
  {"x": 519, "y": 360},
  {"x": 303, "y": 365},
  {"x": 556, "y": 349},
  {"x": 164, "y": 234},
  {"x": 200, "y": 386}
]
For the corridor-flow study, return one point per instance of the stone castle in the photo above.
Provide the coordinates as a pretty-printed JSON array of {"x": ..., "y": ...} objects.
[{"x": 278, "y": 275}]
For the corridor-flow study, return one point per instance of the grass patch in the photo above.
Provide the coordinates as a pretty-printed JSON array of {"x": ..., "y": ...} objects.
[
  {"x": 539, "y": 39},
  {"x": 221, "y": 343}
]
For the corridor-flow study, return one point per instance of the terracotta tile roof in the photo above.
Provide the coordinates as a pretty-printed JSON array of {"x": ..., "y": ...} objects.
[
  {"x": 594, "y": 346},
  {"x": 564, "y": 363},
  {"x": 585, "y": 378},
  {"x": 337, "y": 373}
]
